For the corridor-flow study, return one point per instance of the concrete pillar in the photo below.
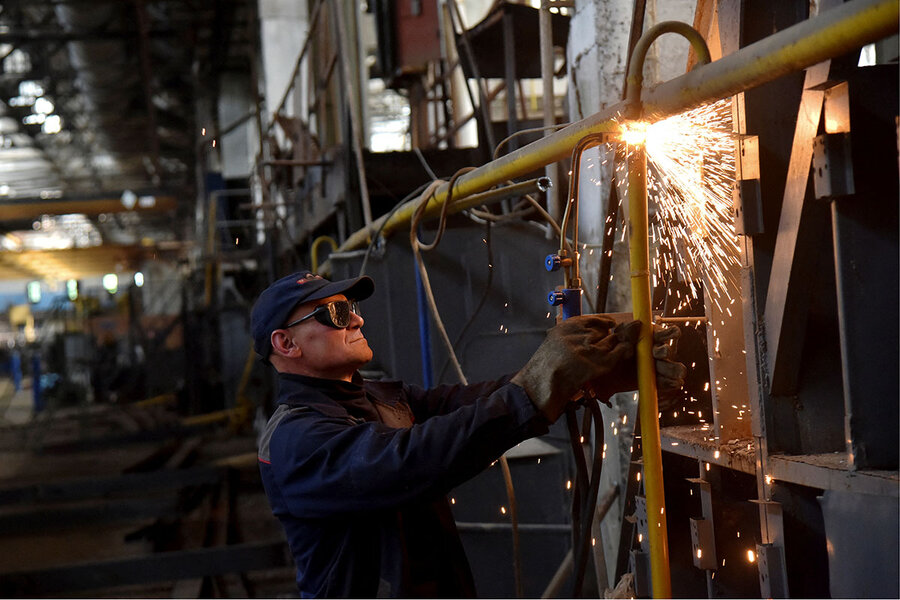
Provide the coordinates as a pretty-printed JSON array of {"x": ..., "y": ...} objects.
[{"x": 238, "y": 147}]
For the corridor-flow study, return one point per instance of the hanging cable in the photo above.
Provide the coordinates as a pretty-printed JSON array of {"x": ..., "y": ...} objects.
[
  {"x": 397, "y": 206},
  {"x": 484, "y": 296},
  {"x": 417, "y": 246}
]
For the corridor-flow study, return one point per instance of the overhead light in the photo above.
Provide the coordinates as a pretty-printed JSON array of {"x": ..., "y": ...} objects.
[
  {"x": 37, "y": 119},
  {"x": 111, "y": 283},
  {"x": 139, "y": 279},
  {"x": 43, "y": 106},
  {"x": 33, "y": 291},
  {"x": 52, "y": 124},
  {"x": 129, "y": 199},
  {"x": 31, "y": 88},
  {"x": 72, "y": 289}
]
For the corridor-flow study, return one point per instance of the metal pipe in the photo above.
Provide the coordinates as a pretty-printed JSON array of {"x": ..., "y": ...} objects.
[
  {"x": 833, "y": 33},
  {"x": 648, "y": 405},
  {"x": 296, "y": 163},
  {"x": 641, "y": 306},
  {"x": 634, "y": 82},
  {"x": 573, "y": 271},
  {"x": 401, "y": 217}
]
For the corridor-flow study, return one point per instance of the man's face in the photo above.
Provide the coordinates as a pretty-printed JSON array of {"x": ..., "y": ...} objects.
[{"x": 325, "y": 351}]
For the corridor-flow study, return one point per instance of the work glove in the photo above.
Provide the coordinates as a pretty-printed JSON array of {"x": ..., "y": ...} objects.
[
  {"x": 576, "y": 352},
  {"x": 669, "y": 373}
]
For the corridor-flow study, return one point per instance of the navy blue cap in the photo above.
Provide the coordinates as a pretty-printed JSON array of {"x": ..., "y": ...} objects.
[{"x": 273, "y": 306}]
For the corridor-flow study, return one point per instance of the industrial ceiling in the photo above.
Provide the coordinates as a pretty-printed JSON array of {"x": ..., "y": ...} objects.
[{"x": 103, "y": 108}]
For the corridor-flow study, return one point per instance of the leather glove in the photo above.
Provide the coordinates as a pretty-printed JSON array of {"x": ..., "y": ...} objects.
[
  {"x": 575, "y": 352},
  {"x": 669, "y": 373}
]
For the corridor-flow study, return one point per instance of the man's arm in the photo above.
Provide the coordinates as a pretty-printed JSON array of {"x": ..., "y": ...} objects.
[
  {"x": 446, "y": 398},
  {"x": 326, "y": 467}
]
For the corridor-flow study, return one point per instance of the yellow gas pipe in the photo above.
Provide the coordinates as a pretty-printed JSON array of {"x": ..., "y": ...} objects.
[
  {"x": 648, "y": 407},
  {"x": 830, "y": 34},
  {"x": 639, "y": 255}
]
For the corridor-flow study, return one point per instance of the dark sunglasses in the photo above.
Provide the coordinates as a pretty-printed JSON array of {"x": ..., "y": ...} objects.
[{"x": 333, "y": 314}]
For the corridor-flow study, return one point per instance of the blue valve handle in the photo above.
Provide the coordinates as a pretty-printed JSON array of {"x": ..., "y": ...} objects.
[
  {"x": 554, "y": 261},
  {"x": 570, "y": 298}
]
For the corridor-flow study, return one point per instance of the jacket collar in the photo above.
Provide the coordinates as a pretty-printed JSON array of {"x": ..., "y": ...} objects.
[{"x": 330, "y": 397}]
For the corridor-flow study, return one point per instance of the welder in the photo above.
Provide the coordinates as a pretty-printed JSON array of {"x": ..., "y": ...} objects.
[{"x": 357, "y": 471}]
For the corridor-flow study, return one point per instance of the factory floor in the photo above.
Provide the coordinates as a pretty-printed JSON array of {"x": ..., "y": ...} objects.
[{"x": 128, "y": 501}]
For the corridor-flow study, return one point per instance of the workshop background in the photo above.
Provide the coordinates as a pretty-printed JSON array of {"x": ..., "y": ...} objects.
[{"x": 162, "y": 161}]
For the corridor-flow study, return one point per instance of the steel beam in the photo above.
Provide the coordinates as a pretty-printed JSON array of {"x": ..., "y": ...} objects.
[
  {"x": 33, "y": 208},
  {"x": 833, "y": 33},
  {"x": 80, "y": 489},
  {"x": 44, "y": 519},
  {"x": 865, "y": 234},
  {"x": 165, "y": 566},
  {"x": 795, "y": 251}
]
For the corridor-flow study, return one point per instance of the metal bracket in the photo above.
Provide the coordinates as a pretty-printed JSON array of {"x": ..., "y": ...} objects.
[
  {"x": 703, "y": 539},
  {"x": 832, "y": 152},
  {"x": 640, "y": 515},
  {"x": 770, "y": 553},
  {"x": 703, "y": 544},
  {"x": 833, "y": 166},
  {"x": 746, "y": 195},
  {"x": 772, "y": 572},
  {"x": 747, "y": 207}
]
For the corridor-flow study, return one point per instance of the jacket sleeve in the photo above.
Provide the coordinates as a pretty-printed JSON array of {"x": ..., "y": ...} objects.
[
  {"x": 443, "y": 399},
  {"x": 324, "y": 466}
]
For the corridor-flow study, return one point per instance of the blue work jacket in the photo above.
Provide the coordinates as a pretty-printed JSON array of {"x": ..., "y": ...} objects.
[{"x": 358, "y": 472}]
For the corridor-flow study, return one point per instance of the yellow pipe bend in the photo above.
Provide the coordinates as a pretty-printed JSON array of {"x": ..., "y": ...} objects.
[
  {"x": 314, "y": 251},
  {"x": 639, "y": 255},
  {"x": 635, "y": 78}
]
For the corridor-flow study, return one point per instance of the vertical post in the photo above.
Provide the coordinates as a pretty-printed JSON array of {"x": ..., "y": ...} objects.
[
  {"x": 355, "y": 137},
  {"x": 36, "y": 381},
  {"x": 648, "y": 409},
  {"x": 546, "y": 40},
  {"x": 509, "y": 71},
  {"x": 15, "y": 368}
]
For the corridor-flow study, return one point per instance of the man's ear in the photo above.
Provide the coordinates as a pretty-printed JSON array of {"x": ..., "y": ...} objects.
[{"x": 284, "y": 345}]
